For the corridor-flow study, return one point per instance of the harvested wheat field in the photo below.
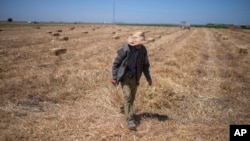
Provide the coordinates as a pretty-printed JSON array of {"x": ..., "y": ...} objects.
[{"x": 55, "y": 84}]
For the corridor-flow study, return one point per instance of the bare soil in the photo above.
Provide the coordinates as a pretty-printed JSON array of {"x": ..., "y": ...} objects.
[{"x": 201, "y": 84}]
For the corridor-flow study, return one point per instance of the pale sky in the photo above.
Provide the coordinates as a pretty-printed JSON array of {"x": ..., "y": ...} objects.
[{"x": 128, "y": 11}]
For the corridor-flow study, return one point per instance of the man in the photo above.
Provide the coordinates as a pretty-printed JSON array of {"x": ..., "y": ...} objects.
[{"x": 131, "y": 61}]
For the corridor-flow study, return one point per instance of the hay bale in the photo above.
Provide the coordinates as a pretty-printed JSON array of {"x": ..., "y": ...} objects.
[
  {"x": 58, "y": 51},
  {"x": 98, "y": 27},
  {"x": 150, "y": 39},
  {"x": 225, "y": 38},
  {"x": 157, "y": 36},
  {"x": 1, "y": 30},
  {"x": 243, "y": 51},
  {"x": 72, "y": 28},
  {"x": 85, "y": 32},
  {"x": 115, "y": 37},
  {"x": 64, "y": 39},
  {"x": 113, "y": 32},
  {"x": 56, "y": 34},
  {"x": 59, "y": 30},
  {"x": 50, "y": 32}
]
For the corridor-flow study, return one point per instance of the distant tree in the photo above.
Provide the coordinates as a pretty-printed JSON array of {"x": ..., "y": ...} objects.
[{"x": 10, "y": 20}]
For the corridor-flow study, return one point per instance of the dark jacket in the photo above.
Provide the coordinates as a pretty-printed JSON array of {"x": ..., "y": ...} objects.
[{"x": 120, "y": 63}]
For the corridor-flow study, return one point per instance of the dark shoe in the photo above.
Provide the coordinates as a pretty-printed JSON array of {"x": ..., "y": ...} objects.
[{"x": 131, "y": 125}]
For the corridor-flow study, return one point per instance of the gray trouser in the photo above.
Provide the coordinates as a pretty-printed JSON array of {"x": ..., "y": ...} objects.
[{"x": 129, "y": 88}]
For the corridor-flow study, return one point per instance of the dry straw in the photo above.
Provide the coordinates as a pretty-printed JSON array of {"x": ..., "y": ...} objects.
[{"x": 200, "y": 81}]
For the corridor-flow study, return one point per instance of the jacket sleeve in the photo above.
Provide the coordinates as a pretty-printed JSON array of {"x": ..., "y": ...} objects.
[
  {"x": 146, "y": 66},
  {"x": 117, "y": 63}
]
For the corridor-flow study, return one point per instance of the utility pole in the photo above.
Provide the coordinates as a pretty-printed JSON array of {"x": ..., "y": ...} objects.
[{"x": 113, "y": 12}]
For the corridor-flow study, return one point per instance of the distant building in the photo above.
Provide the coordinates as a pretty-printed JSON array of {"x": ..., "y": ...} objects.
[{"x": 184, "y": 25}]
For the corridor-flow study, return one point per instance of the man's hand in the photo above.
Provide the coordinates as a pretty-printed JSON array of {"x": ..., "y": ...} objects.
[
  {"x": 149, "y": 82},
  {"x": 114, "y": 82}
]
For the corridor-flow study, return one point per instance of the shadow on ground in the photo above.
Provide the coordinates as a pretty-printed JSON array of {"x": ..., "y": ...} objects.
[{"x": 139, "y": 117}]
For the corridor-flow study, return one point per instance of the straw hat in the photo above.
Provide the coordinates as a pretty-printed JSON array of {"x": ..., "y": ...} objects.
[{"x": 137, "y": 38}]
